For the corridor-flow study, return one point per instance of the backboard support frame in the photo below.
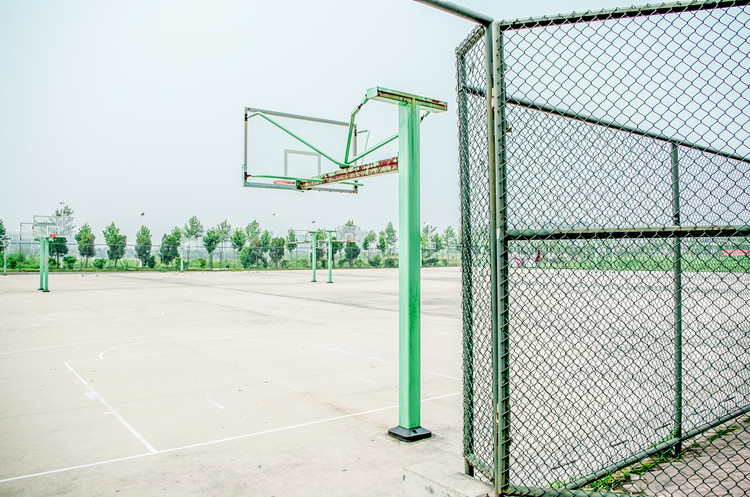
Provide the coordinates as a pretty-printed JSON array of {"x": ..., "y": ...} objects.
[{"x": 412, "y": 109}]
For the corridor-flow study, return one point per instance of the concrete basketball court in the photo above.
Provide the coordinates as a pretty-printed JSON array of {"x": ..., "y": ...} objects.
[{"x": 220, "y": 383}]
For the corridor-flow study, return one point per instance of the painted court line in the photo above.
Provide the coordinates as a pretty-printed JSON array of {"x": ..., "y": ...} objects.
[
  {"x": 214, "y": 442},
  {"x": 111, "y": 409},
  {"x": 211, "y": 401}
]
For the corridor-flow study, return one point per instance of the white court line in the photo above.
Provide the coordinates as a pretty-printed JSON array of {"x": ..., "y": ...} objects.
[
  {"x": 112, "y": 410},
  {"x": 214, "y": 442},
  {"x": 366, "y": 380},
  {"x": 211, "y": 401}
]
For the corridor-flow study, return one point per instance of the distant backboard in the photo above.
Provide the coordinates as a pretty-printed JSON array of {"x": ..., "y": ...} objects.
[{"x": 44, "y": 226}]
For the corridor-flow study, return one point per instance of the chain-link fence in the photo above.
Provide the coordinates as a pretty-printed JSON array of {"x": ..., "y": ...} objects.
[{"x": 622, "y": 317}]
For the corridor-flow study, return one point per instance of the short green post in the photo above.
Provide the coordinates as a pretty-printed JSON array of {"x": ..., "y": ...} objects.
[
  {"x": 182, "y": 261},
  {"x": 5, "y": 260},
  {"x": 41, "y": 263},
  {"x": 46, "y": 264},
  {"x": 314, "y": 254},
  {"x": 330, "y": 258}
]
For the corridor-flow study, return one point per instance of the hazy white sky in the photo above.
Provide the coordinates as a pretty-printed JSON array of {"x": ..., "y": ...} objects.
[{"x": 119, "y": 108}]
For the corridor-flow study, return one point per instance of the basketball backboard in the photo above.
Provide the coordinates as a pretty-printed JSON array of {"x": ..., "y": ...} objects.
[
  {"x": 44, "y": 226},
  {"x": 296, "y": 152},
  {"x": 282, "y": 150}
]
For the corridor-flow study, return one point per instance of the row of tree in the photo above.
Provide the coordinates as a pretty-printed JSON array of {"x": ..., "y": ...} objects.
[{"x": 253, "y": 245}]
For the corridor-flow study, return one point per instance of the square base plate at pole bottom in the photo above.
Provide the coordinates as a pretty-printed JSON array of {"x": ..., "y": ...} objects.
[{"x": 409, "y": 434}]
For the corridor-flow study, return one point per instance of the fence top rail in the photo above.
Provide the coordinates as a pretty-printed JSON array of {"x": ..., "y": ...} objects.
[{"x": 617, "y": 13}]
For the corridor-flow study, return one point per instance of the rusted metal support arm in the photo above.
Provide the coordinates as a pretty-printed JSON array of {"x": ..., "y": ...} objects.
[{"x": 376, "y": 168}]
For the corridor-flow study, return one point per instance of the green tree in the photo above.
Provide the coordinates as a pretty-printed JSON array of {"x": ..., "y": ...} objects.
[
  {"x": 391, "y": 238},
  {"x": 2, "y": 237},
  {"x": 225, "y": 230},
  {"x": 65, "y": 221},
  {"x": 253, "y": 230},
  {"x": 256, "y": 253},
  {"x": 276, "y": 251},
  {"x": 143, "y": 245},
  {"x": 211, "y": 240},
  {"x": 382, "y": 243},
  {"x": 116, "y": 243},
  {"x": 351, "y": 252},
  {"x": 321, "y": 242},
  {"x": 238, "y": 241},
  {"x": 430, "y": 241},
  {"x": 170, "y": 243},
  {"x": 85, "y": 238},
  {"x": 369, "y": 238},
  {"x": 291, "y": 242},
  {"x": 58, "y": 248},
  {"x": 192, "y": 230},
  {"x": 265, "y": 241},
  {"x": 450, "y": 239}
]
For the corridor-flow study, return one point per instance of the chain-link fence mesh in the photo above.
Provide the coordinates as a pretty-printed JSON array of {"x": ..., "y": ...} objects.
[
  {"x": 475, "y": 240},
  {"x": 627, "y": 241}
]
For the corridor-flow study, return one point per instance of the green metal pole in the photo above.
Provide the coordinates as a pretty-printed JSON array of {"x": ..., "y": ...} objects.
[
  {"x": 314, "y": 254},
  {"x": 677, "y": 300},
  {"x": 41, "y": 263},
  {"x": 46, "y": 264},
  {"x": 409, "y": 293},
  {"x": 330, "y": 258},
  {"x": 5, "y": 260},
  {"x": 501, "y": 328},
  {"x": 182, "y": 261}
]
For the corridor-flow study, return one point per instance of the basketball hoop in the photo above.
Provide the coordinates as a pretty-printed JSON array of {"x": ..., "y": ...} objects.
[
  {"x": 349, "y": 233},
  {"x": 53, "y": 235}
]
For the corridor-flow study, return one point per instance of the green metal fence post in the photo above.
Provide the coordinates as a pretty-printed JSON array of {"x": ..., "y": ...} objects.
[
  {"x": 677, "y": 433},
  {"x": 182, "y": 261},
  {"x": 330, "y": 257},
  {"x": 5, "y": 260},
  {"x": 314, "y": 254},
  {"x": 501, "y": 329}
]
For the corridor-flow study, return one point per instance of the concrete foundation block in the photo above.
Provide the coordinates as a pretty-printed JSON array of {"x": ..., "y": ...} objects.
[{"x": 430, "y": 479}]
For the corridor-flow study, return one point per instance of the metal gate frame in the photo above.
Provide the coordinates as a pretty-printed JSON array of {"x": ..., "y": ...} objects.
[{"x": 493, "y": 218}]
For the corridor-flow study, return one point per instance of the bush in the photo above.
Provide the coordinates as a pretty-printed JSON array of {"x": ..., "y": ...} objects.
[
  {"x": 69, "y": 261},
  {"x": 374, "y": 261},
  {"x": 285, "y": 263},
  {"x": 430, "y": 261},
  {"x": 201, "y": 262},
  {"x": 390, "y": 263},
  {"x": 99, "y": 263},
  {"x": 359, "y": 263},
  {"x": 16, "y": 260},
  {"x": 151, "y": 262}
]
